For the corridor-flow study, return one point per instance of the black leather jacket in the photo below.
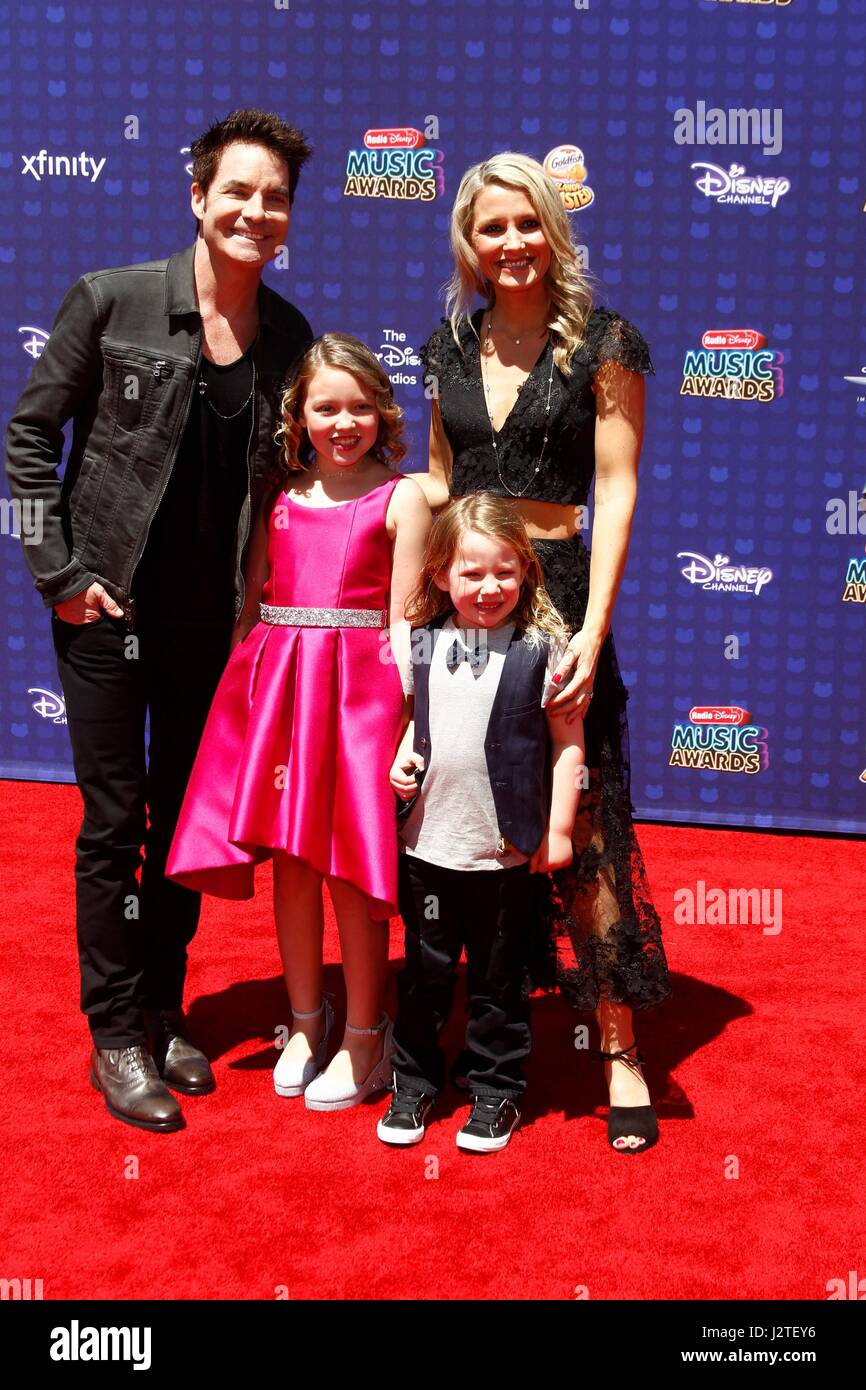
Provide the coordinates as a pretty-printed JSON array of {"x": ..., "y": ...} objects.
[{"x": 121, "y": 363}]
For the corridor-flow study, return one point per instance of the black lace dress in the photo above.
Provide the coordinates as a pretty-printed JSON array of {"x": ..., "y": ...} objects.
[{"x": 601, "y": 936}]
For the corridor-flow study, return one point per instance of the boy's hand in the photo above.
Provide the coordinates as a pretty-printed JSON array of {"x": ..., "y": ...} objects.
[
  {"x": 402, "y": 775},
  {"x": 554, "y": 852}
]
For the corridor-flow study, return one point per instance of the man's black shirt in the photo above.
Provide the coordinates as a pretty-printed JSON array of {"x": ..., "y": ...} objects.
[{"x": 186, "y": 570}]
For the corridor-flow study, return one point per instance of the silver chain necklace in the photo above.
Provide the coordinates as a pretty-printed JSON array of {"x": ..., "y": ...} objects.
[
  {"x": 486, "y": 384},
  {"x": 203, "y": 391}
]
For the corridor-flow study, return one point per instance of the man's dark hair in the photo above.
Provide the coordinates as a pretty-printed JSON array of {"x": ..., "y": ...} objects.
[{"x": 249, "y": 127}]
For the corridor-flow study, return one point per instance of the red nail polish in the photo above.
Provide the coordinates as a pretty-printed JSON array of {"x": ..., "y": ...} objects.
[{"x": 557, "y": 679}]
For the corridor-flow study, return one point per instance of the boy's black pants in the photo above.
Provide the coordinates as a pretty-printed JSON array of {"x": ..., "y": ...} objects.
[{"x": 488, "y": 912}]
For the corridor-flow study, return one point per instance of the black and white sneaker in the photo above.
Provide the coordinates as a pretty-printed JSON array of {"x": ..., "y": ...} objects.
[
  {"x": 490, "y": 1126},
  {"x": 405, "y": 1120}
]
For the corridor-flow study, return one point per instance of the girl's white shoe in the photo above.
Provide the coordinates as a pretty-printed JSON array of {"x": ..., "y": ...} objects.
[
  {"x": 329, "y": 1094},
  {"x": 292, "y": 1076}
]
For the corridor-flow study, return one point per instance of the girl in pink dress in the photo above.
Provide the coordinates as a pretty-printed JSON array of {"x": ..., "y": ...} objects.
[{"x": 295, "y": 756}]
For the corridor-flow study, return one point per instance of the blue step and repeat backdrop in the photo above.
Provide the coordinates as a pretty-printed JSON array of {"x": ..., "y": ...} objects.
[{"x": 711, "y": 155}]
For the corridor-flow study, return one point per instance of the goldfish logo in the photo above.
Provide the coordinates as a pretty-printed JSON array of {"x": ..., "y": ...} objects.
[{"x": 565, "y": 165}]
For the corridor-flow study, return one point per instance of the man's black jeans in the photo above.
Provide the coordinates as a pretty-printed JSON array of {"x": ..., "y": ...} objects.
[
  {"x": 132, "y": 937},
  {"x": 488, "y": 911}
]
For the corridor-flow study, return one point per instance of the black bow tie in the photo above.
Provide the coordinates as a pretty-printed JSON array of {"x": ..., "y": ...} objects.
[{"x": 476, "y": 657}]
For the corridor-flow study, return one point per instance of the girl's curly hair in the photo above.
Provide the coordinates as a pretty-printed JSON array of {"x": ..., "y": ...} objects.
[{"x": 348, "y": 354}]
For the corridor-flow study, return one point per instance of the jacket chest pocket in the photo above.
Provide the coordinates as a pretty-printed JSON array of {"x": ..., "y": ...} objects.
[{"x": 137, "y": 382}]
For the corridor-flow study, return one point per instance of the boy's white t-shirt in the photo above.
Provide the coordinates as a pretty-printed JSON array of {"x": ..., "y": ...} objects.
[{"x": 453, "y": 822}]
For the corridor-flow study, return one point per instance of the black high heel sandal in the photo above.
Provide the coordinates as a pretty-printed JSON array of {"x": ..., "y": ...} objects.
[{"x": 639, "y": 1120}]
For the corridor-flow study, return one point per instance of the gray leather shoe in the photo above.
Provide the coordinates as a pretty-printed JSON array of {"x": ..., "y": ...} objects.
[
  {"x": 132, "y": 1090},
  {"x": 179, "y": 1062}
]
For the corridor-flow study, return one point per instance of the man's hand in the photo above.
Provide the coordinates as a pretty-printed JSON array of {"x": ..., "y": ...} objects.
[
  {"x": 88, "y": 606},
  {"x": 402, "y": 775}
]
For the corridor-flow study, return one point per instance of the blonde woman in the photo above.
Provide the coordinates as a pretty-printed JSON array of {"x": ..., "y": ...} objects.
[
  {"x": 535, "y": 394},
  {"x": 294, "y": 759}
]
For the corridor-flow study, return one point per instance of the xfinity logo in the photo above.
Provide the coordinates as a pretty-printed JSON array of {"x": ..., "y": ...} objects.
[{"x": 45, "y": 165}]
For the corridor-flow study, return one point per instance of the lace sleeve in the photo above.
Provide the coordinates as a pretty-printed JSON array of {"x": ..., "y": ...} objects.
[
  {"x": 441, "y": 357},
  {"x": 432, "y": 354},
  {"x": 611, "y": 338}
]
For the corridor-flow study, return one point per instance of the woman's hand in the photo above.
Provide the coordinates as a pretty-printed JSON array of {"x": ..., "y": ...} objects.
[
  {"x": 575, "y": 676},
  {"x": 402, "y": 774},
  {"x": 554, "y": 852}
]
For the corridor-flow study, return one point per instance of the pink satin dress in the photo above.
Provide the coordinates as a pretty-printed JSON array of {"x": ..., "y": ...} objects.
[{"x": 305, "y": 721}]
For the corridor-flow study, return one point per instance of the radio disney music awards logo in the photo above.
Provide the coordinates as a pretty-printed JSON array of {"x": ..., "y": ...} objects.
[
  {"x": 721, "y": 576},
  {"x": 735, "y": 364},
  {"x": 77, "y": 166},
  {"x": 395, "y": 353},
  {"x": 397, "y": 163},
  {"x": 720, "y": 738},
  {"x": 734, "y": 185},
  {"x": 36, "y": 341},
  {"x": 566, "y": 166},
  {"x": 49, "y": 705},
  {"x": 855, "y": 581}
]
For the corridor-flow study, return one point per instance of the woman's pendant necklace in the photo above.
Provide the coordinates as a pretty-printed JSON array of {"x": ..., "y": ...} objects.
[
  {"x": 536, "y": 332},
  {"x": 486, "y": 384}
]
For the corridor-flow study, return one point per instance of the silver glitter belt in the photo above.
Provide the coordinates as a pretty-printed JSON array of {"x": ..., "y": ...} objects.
[{"x": 324, "y": 617}]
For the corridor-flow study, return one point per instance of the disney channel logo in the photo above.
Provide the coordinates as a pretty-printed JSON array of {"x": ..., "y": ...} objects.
[
  {"x": 36, "y": 342},
  {"x": 858, "y": 381},
  {"x": 734, "y": 185},
  {"x": 720, "y": 575},
  {"x": 719, "y": 738},
  {"x": 734, "y": 364},
  {"x": 49, "y": 705}
]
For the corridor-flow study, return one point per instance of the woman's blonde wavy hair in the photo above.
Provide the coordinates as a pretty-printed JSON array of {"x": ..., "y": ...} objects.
[
  {"x": 350, "y": 355},
  {"x": 534, "y": 614},
  {"x": 569, "y": 288}
]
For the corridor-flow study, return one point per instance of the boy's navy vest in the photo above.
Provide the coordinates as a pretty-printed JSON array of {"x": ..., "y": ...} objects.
[{"x": 517, "y": 745}]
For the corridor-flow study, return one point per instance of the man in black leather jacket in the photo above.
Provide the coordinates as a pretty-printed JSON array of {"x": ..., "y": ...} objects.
[{"x": 171, "y": 373}]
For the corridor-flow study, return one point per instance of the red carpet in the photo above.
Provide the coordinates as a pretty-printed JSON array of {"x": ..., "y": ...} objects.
[{"x": 756, "y": 1061}]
